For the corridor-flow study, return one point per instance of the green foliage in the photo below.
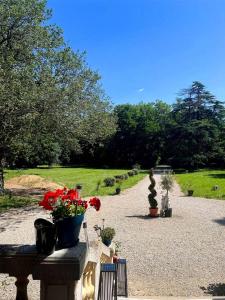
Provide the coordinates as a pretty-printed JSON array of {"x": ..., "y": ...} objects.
[
  {"x": 196, "y": 137},
  {"x": 131, "y": 173},
  {"x": 202, "y": 182},
  {"x": 135, "y": 171},
  {"x": 107, "y": 233},
  {"x": 152, "y": 201},
  {"x": 140, "y": 135},
  {"x": 8, "y": 201},
  {"x": 109, "y": 181},
  {"x": 167, "y": 182},
  {"x": 49, "y": 96}
]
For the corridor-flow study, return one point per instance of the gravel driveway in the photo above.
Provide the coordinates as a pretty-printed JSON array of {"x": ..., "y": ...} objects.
[{"x": 179, "y": 256}]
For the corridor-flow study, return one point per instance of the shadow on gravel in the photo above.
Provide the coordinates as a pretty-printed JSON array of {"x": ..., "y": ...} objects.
[
  {"x": 220, "y": 221},
  {"x": 215, "y": 289},
  {"x": 13, "y": 217},
  {"x": 146, "y": 217}
]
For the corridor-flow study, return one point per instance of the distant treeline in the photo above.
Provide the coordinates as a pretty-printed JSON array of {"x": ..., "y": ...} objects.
[{"x": 188, "y": 134}]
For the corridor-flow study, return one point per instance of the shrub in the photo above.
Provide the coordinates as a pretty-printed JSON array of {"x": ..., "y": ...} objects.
[
  {"x": 109, "y": 181},
  {"x": 108, "y": 233},
  {"x": 137, "y": 166},
  {"x": 135, "y": 171},
  {"x": 130, "y": 173},
  {"x": 125, "y": 176},
  {"x": 120, "y": 177}
]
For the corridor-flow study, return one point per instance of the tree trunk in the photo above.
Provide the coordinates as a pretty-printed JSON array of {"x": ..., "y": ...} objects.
[{"x": 1, "y": 179}]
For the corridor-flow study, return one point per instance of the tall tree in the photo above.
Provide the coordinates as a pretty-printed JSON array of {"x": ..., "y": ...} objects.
[
  {"x": 195, "y": 139},
  {"x": 49, "y": 97}
]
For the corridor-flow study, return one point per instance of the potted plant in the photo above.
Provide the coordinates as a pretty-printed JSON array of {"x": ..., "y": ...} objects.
[
  {"x": 189, "y": 189},
  {"x": 166, "y": 185},
  {"x": 118, "y": 187},
  {"x": 117, "y": 251},
  {"x": 107, "y": 235},
  {"x": 67, "y": 210},
  {"x": 153, "y": 210}
]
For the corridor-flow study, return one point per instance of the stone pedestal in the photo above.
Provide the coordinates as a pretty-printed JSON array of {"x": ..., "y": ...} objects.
[{"x": 59, "y": 272}]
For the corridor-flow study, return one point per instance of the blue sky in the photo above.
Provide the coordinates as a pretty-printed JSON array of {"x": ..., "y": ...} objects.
[{"x": 148, "y": 49}]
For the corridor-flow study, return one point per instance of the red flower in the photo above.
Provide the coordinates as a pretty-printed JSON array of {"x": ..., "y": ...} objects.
[
  {"x": 73, "y": 194},
  {"x": 95, "y": 202},
  {"x": 60, "y": 198}
]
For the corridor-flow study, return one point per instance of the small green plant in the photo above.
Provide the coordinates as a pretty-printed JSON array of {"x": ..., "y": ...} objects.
[
  {"x": 131, "y": 173},
  {"x": 167, "y": 182},
  {"x": 109, "y": 181},
  {"x": 117, "y": 247},
  {"x": 119, "y": 177},
  {"x": 151, "y": 197},
  {"x": 135, "y": 171},
  {"x": 188, "y": 188},
  {"x": 107, "y": 234},
  {"x": 118, "y": 187}
]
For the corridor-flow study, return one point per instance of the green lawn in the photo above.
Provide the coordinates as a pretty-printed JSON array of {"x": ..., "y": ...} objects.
[
  {"x": 88, "y": 177},
  {"x": 202, "y": 182}
]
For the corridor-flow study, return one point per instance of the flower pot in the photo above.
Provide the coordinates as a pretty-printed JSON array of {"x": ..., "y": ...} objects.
[
  {"x": 107, "y": 242},
  {"x": 153, "y": 212},
  {"x": 190, "y": 192},
  {"x": 115, "y": 259},
  {"x": 68, "y": 230},
  {"x": 118, "y": 190},
  {"x": 45, "y": 236},
  {"x": 168, "y": 213}
]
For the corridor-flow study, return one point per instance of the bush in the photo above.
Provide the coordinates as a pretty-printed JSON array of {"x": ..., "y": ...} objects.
[
  {"x": 130, "y": 173},
  {"x": 135, "y": 171},
  {"x": 108, "y": 233},
  {"x": 136, "y": 166},
  {"x": 120, "y": 177},
  {"x": 109, "y": 181},
  {"x": 125, "y": 176}
]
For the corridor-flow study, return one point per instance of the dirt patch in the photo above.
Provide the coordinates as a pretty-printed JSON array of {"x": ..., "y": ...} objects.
[{"x": 30, "y": 185}]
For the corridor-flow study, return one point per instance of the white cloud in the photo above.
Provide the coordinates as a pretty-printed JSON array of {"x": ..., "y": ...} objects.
[{"x": 141, "y": 90}]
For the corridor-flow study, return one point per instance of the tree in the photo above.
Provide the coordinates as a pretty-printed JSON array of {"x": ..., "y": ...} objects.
[
  {"x": 195, "y": 138},
  {"x": 49, "y": 98},
  {"x": 140, "y": 134}
]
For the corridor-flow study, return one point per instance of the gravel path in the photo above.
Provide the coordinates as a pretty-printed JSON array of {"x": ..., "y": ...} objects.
[{"x": 179, "y": 256}]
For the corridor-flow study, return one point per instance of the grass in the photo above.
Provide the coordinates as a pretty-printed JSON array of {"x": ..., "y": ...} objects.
[
  {"x": 202, "y": 182},
  {"x": 8, "y": 201},
  {"x": 88, "y": 177}
]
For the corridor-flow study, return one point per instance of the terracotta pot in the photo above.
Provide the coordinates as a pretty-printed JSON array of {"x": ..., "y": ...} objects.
[
  {"x": 115, "y": 259},
  {"x": 153, "y": 212}
]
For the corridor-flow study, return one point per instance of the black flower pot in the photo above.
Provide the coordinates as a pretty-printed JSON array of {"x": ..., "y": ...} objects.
[
  {"x": 190, "y": 192},
  {"x": 45, "y": 236},
  {"x": 118, "y": 190},
  {"x": 168, "y": 213}
]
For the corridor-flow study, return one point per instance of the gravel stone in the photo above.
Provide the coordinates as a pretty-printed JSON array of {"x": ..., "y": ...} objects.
[{"x": 179, "y": 256}]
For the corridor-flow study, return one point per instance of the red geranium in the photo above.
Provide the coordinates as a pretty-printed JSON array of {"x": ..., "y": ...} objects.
[
  {"x": 95, "y": 202},
  {"x": 67, "y": 203}
]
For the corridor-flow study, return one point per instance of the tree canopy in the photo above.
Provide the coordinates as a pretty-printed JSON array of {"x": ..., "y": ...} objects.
[{"x": 50, "y": 99}]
